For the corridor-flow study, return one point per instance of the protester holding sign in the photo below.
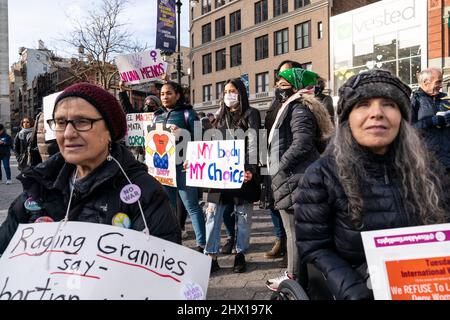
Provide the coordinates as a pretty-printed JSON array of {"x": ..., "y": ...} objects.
[
  {"x": 175, "y": 114},
  {"x": 235, "y": 113},
  {"x": 376, "y": 174},
  {"x": 93, "y": 178},
  {"x": 22, "y": 143},
  {"x": 296, "y": 139}
]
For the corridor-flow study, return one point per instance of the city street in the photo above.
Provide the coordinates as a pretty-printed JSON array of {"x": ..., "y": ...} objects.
[{"x": 224, "y": 284}]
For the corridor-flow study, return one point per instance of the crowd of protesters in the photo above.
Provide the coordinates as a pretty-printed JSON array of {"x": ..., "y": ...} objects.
[{"x": 378, "y": 160}]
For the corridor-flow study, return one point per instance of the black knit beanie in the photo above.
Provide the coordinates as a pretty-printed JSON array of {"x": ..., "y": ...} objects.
[
  {"x": 104, "y": 102},
  {"x": 373, "y": 84}
]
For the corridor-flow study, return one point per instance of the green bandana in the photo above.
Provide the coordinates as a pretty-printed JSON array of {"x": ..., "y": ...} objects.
[{"x": 299, "y": 78}]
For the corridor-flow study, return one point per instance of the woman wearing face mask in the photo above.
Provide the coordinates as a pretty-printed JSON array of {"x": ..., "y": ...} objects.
[
  {"x": 296, "y": 139},
  {"x": 235, "y": 113},
  {"x": 176, "y": 114},
  {"x": 279, "y": 247}
]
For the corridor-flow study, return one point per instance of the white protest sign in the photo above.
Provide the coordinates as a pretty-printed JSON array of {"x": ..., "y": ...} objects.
[
  {"x": 141, "y": 67},
  {"x": 138, "y": 126},
  {"x": 160, "y": 157},
  {"x": 216, "y": 164},
  {"x": 96, "y": 261},
  {"x": 48, "y": 105},
  {"x": 409, "y": 263}
]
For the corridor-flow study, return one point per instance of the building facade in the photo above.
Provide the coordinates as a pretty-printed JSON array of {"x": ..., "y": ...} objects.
[
  {"x": 389, "y": 34},
  {"x": 249, "y": 39},
  {"x": 4, "y": 63},
  {"x": 185, "y": 66}
]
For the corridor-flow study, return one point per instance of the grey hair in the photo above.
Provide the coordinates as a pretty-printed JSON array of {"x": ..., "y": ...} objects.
[
  {"x": 420, "y": 185},
  {"x": 427, "y": 74}
]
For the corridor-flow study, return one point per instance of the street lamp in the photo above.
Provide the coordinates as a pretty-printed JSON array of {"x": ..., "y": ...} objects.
[{"x": 179, "y": 4}]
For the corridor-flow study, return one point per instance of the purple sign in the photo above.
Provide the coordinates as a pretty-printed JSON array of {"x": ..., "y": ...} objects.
[
  {"x": 412, "y": 239},
  {"x": 166, "y": 36}
]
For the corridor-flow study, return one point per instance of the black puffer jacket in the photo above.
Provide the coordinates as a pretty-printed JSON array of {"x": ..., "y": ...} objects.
[
  {"x": 437, "y": 139},
  {"x": 96, "y": 198},
  {"x": 298, "y": 143},
  {"x": 325, "y": 235}
]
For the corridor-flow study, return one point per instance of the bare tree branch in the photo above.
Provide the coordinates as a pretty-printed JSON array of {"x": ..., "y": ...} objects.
[{"x": 100, "y": 38}]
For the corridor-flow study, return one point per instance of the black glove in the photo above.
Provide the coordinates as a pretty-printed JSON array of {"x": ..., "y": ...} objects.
[{"x": 435, "y": 121}]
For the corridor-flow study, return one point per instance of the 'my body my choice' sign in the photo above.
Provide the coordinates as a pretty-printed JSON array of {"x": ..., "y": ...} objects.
[
  {"x": 94, "y": 261},
  {"x": 216, "y": 164}
]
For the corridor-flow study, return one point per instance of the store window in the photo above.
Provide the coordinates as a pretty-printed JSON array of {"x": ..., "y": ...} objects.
[{"x": 361, "y": 41}]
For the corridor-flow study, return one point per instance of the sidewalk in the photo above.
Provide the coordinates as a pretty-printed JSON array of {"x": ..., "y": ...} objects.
[{"x": 250, "y": 285}]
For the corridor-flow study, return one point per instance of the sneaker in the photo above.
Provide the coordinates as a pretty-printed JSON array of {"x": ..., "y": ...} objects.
[
  {"x": 239, "y": 263},
  {"x": 8, "y": 182},
  {"x": 273, "y": 283},
  {"x": 228, "y": 246},
  {"x": 215, "y": 265}
]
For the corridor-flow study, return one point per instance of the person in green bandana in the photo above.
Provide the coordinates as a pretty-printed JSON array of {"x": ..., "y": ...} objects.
[{"x": 296, "y": 139}]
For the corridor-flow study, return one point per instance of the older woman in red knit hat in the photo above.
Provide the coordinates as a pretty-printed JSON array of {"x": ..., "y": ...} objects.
[{"x": 87, "y": 180}]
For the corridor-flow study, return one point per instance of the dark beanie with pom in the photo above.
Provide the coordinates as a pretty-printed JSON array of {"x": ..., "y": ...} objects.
[
  {"x": 373, "y": 84},
  {"x": 104, "y": 102}
]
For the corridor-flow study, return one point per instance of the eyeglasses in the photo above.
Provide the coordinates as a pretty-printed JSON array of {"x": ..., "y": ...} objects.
[{"x": 79, "y": 124}]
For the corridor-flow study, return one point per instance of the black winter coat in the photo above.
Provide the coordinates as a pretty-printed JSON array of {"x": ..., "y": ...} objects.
[
  {"x": 437, "y": 139},
  {"x": 325, "y": 235},
  {"x": 96, "y": 198},
  {"x": 296, "y": 147}
]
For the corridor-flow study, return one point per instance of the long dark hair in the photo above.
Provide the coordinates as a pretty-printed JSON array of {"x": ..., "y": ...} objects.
[
  {"x": 235, "y": 118},
  {"x": 178, "y": 89},
  {"x": 417, "y": 170}
]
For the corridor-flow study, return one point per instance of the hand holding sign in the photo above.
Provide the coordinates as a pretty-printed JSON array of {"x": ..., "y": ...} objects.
[{"x": 216, "y": 164}]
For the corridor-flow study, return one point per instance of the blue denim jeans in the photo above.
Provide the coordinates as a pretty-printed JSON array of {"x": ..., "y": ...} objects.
[
  {"x": 5, "y": 161},
  {"x": 214, "y": 219},
  {"x": 277, "y": 224},
  {"x": 189, "y": 196},
  {"x": 229, "y": 221}
]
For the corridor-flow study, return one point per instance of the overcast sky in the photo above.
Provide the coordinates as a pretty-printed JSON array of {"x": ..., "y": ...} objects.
[{"x": 50, "y": 20}]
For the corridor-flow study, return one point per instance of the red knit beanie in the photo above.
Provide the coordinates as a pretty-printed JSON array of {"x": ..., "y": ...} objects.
[{"x": 104, "y": 102}]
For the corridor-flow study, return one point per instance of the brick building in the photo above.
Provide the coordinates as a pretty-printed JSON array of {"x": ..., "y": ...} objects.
[{"x": 249, "y": 39}]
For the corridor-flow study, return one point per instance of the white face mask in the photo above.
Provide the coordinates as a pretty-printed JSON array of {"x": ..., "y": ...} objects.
[{"x": 231, "y": 99}]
